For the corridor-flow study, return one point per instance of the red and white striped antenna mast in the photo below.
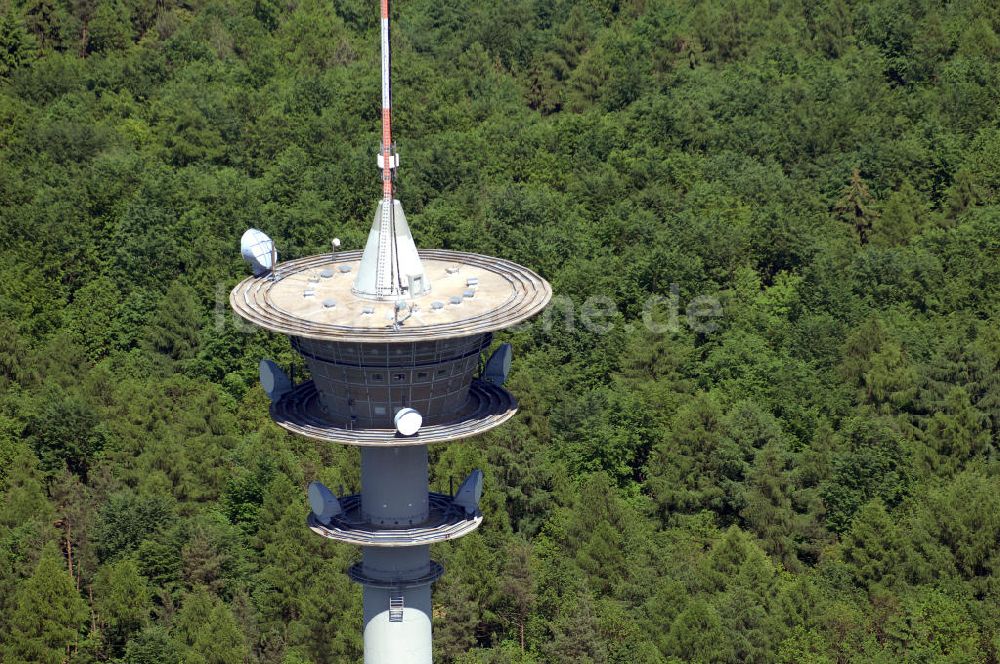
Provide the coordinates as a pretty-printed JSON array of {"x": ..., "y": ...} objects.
[
  {"x": 389, "y": 161},
  {"x": 390, "y": 253},
  {"x": 390, "y": 268}
]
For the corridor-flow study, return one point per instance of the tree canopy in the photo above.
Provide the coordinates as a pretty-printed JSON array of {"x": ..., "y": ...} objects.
[{"x": 759, "y": 423}]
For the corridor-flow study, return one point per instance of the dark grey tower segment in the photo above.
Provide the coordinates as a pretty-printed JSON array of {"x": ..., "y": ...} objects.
[{"x": 368, "y": 383}]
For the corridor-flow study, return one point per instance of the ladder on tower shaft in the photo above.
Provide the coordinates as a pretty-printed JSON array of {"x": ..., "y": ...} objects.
[{"x": 396, "y": 608}]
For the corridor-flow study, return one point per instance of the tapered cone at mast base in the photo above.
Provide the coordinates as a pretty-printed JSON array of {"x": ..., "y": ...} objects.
[{"x": 390, "y": 266}]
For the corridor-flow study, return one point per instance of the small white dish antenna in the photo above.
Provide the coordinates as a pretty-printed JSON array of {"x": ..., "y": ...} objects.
[
  {"x": 275, "y": 382},
  {"x": 408, "y": 421},
  {"x": 258, "y": 250},
  {"x": 470, "y": 492},
  {"x": 322, "y": 502},
  {"x": 498, "y": 366}
]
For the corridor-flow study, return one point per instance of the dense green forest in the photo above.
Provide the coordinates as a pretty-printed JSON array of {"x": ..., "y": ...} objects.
[{"x": 813, "y": 478}]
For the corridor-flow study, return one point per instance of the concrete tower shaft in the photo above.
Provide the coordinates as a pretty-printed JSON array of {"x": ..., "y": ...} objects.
[
  {"x": 397, "y": 590},
  {"x": 403, "y": 634}
]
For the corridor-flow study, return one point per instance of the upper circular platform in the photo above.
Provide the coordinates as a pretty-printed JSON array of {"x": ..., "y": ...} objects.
[{"x": 470, "y": 294}]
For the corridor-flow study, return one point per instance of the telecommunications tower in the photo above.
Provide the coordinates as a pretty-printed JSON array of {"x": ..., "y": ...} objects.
[{"x": 395, "y": 341}]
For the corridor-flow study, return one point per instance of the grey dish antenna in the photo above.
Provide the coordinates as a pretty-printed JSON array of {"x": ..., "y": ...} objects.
[
  {"x": 258, "y": 250},
  {"x": 471, "y": 492},
  {"x": 498, "y": 366},
  {"x": 274, "y": 380},
  {"x": 322, "y": 502}
]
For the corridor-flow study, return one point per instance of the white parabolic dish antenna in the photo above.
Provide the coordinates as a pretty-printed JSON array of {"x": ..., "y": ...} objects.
[
  {"x": 275, "y": 382},
  {"x": 408, "y": 421},
  {"x": 258, "y": 250},
  {"x": 498, "y": 366},
  {"x": 322, "y": 502}
]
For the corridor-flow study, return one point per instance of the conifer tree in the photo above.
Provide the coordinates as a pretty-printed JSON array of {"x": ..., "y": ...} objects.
[
  {"x": 48, "y": 615},
  {"x": 698, "y": 635},
  {"x": 122, "y": 602},
  {"x": 872, "y": 546},
  {"x": 17, "y": 45},
  {"x": 768, "y": 511},
  {"x": 856, "y": 206},
  {"x": 174, "y": 329},
  {"x": 209, "y": 630}
]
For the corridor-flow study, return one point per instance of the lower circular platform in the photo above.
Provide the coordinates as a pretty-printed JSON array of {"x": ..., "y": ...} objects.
[
  {"x": 300, "y": 412},
  {"x": 445, "y": 521},
  {"x": 357, "y": 574}
]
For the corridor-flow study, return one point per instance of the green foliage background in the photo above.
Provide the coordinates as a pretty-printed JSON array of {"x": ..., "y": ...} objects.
[{"x": 814, "y": 481}]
